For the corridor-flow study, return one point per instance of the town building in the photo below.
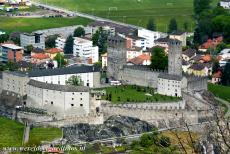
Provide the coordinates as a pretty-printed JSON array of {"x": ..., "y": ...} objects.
[
  {"x": 39, "y": 58},
  {"x": 143, "y": 59},
  {"x": 225, "y": 4},
  {"x": 188, "y": 54},
  {"x": 84, "y": 48},
  {"x": 133, "y": 41},
  {"x": 11, "y": 53},
  {"x": 200, "y": 69},
  {"x": 181, "y": 36},
  {"x": 162, "y": 42},
  {"x": 37, "y": 40},
  {"x": 210, "y": 44},
  {"x": 90, "y": 75},
  {"x": 104, "y": 60},
  {"x": 59, "y": 100},
  {"x": 150, "y": 36},
  {"x": 53, "y": 52},
  {"x": 37, "y": 51},
  {"x": 216, "y": 77},
  {"x": 224, "y": 54}
]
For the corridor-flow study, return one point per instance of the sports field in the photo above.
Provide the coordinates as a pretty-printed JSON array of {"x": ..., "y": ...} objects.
[
  {"x": 32, "y": 24},
  {"x": 135, "y": 12}
]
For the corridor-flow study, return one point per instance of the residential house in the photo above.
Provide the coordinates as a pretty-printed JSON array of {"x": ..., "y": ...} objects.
[
  {"x": 188, "y": 54},
  {"x": 206, "y": 58},
  {"x": 200, "y": 69},
  {"x": 211, "y": 44},
  {"x": 104, "y": 60},
  {"x": 37, "y": 51},
  {"x": 224, "y": 54},
  {"x": 162, "y": 42},
  {"x": 11, "y": 52},
  {"x": 39, "y": 58},
  {"x": 37, "y": 40},
  {"x": 150, "y": 36},
  {"x": 216, "y": 77},
  {"x": 53, "y": 52},
  {"x": 143, "y": 59},
  {"x": 185, "y": 65},
  {"x": 181, "y": 36},
  {"x": 134, "y": 41},
  {"x": 133, "y": 52},
  {"x": 225, "y": 4}
]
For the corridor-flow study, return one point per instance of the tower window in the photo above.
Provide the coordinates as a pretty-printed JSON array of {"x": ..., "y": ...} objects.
[
  {"x": 51, "y": 102},
  {"x": 81, "y": 105},
  {"x": 72, "y": 104}
]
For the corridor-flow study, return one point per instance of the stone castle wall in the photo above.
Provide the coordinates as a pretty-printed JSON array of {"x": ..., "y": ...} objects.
[{"x": 139, "y": 75}]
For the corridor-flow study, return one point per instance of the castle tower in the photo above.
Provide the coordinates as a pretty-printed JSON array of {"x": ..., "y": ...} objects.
[
  {"x": 175, "y": 57},
  {"x": 116, "y": 56}
]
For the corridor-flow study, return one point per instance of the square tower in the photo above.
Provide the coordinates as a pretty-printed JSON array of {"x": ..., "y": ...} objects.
[
  {"x": 116, "y": 56},
  {"x": 175, "y": 57}
]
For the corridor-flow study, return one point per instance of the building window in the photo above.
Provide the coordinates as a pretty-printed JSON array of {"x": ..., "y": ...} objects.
[
  {"x": 81, "y": 105},
  {"x": 87, "y": 85},
  {"x": 51, "y": 102},
  {"x": 72, "y": 104},
  {"x": 80, "y": 93},
  {"x": 72, "y": 98},
  {"x": 81, "y": 99},
  {"x": 73, "y": 93}
]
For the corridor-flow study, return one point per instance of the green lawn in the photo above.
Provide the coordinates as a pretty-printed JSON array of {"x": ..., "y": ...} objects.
[
  {"x": 32, "y": 24},
  {"x": 11, "y": 132},
  {"x": 220, "y": 91},
  {"x": 135, "y": 12},
  {"x": 44, "y": 134},
  {"x": 134, "y": 94}
]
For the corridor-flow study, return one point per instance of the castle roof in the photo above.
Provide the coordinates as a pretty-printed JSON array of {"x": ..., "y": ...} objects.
[
  {"x": 66, "y": 70},
  {"x": 57, "y": 87},
  {"x": 170, "y": 76}
]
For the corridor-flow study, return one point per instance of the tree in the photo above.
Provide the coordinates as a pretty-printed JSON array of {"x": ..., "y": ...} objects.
[
  {"x": 146, "y": 140},
  {"x": 172, "y": 25},
  {"x": 75, "y": 81},
  {"x": 4, "y": 38},
  {"x": 200, "y": 6},
  {"x": 151, "y": 25},
  {"x": 100, "y": 39},
  {"x": 159, "y": 60},
  {"x": 216, "y": 66},
  {"x": 185, "y": 25},
  {"x": 50, "y": 41},
  {"x": 225, "y": 78},
  {"x": 60, "y": 60},
  {"x": 165, "y": 141},
  {"x": 79, "y": 32},
  {"x": 68, "y": 48},
  {"x": 29, "y": 48}
]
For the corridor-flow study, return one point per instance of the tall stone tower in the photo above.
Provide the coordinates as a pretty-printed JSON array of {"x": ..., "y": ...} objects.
[
  {"x": 175, "y": 57},
  {"x": 116, "y": 56}
]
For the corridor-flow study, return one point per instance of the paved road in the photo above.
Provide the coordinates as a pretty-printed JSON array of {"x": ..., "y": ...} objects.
[
  {"x": 226, "y": 103},
  {"x": 80, "y": 14}
]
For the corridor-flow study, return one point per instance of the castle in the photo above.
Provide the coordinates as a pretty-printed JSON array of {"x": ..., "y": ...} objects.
[{"x": 171, "y": 82}]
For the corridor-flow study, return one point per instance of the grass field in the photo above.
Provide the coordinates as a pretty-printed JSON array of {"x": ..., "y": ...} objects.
[
  {"x": 44, "y": 134},
  {"x": 220, "y": 91},
  {"x": 11, "y": 133},
  {"x": 134, "y": 94},
  {"x": 135, "y": 12},
  {"x": 32, "y": 24}
]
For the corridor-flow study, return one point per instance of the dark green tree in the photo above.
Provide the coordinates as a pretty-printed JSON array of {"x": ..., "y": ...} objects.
[
  {"x": 146, "y": 140},
  {"x": 50, "y": 41},
  {"x": 216, "y": 66},
  {"x": 4, "y": 38},
  {"x": 68, "y": 48},
  {"x": 100, "y": 39},
  {"x": 172, "y": 25},
  {"x": 79, "y": 32},
  {"x": 220, "y": 47},
  {"x": 60, "y": 60},
  {"x": 200, "y": 5},
  {"x": 29, "y": 48},
  {"x": 165, "y": 141},
  {"x": 225, "y": 78},
  {"x": 159, "y": 60},
  {"x": 185, "y": 26},
  {"x": 151, "y": 25},
  {"x": 75, "y": 81}
]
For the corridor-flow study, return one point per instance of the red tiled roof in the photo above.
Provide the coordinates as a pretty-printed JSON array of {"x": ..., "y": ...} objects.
[
  {"x": 140, "y": 59},
  {"x": 206, "y": 58},
  {"x": 144, "y": 57},
  {"x": 54, "y": 50},
  {"x": 40, "y": 56},
  {"x": 217, "y": 74}
]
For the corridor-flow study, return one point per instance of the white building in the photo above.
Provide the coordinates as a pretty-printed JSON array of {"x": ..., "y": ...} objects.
[
  {"x": 60, "y": 100},
  {"x": 90, "y": 75},
  {"x": 82, "y": 47},
  {"x": 171, "y": 85},
  {"x": 150, "y": 36},
  {"x": 225, "y": 54},
  {"x": 225, "y": 4},
  {"x": 37, "y": 40}
]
